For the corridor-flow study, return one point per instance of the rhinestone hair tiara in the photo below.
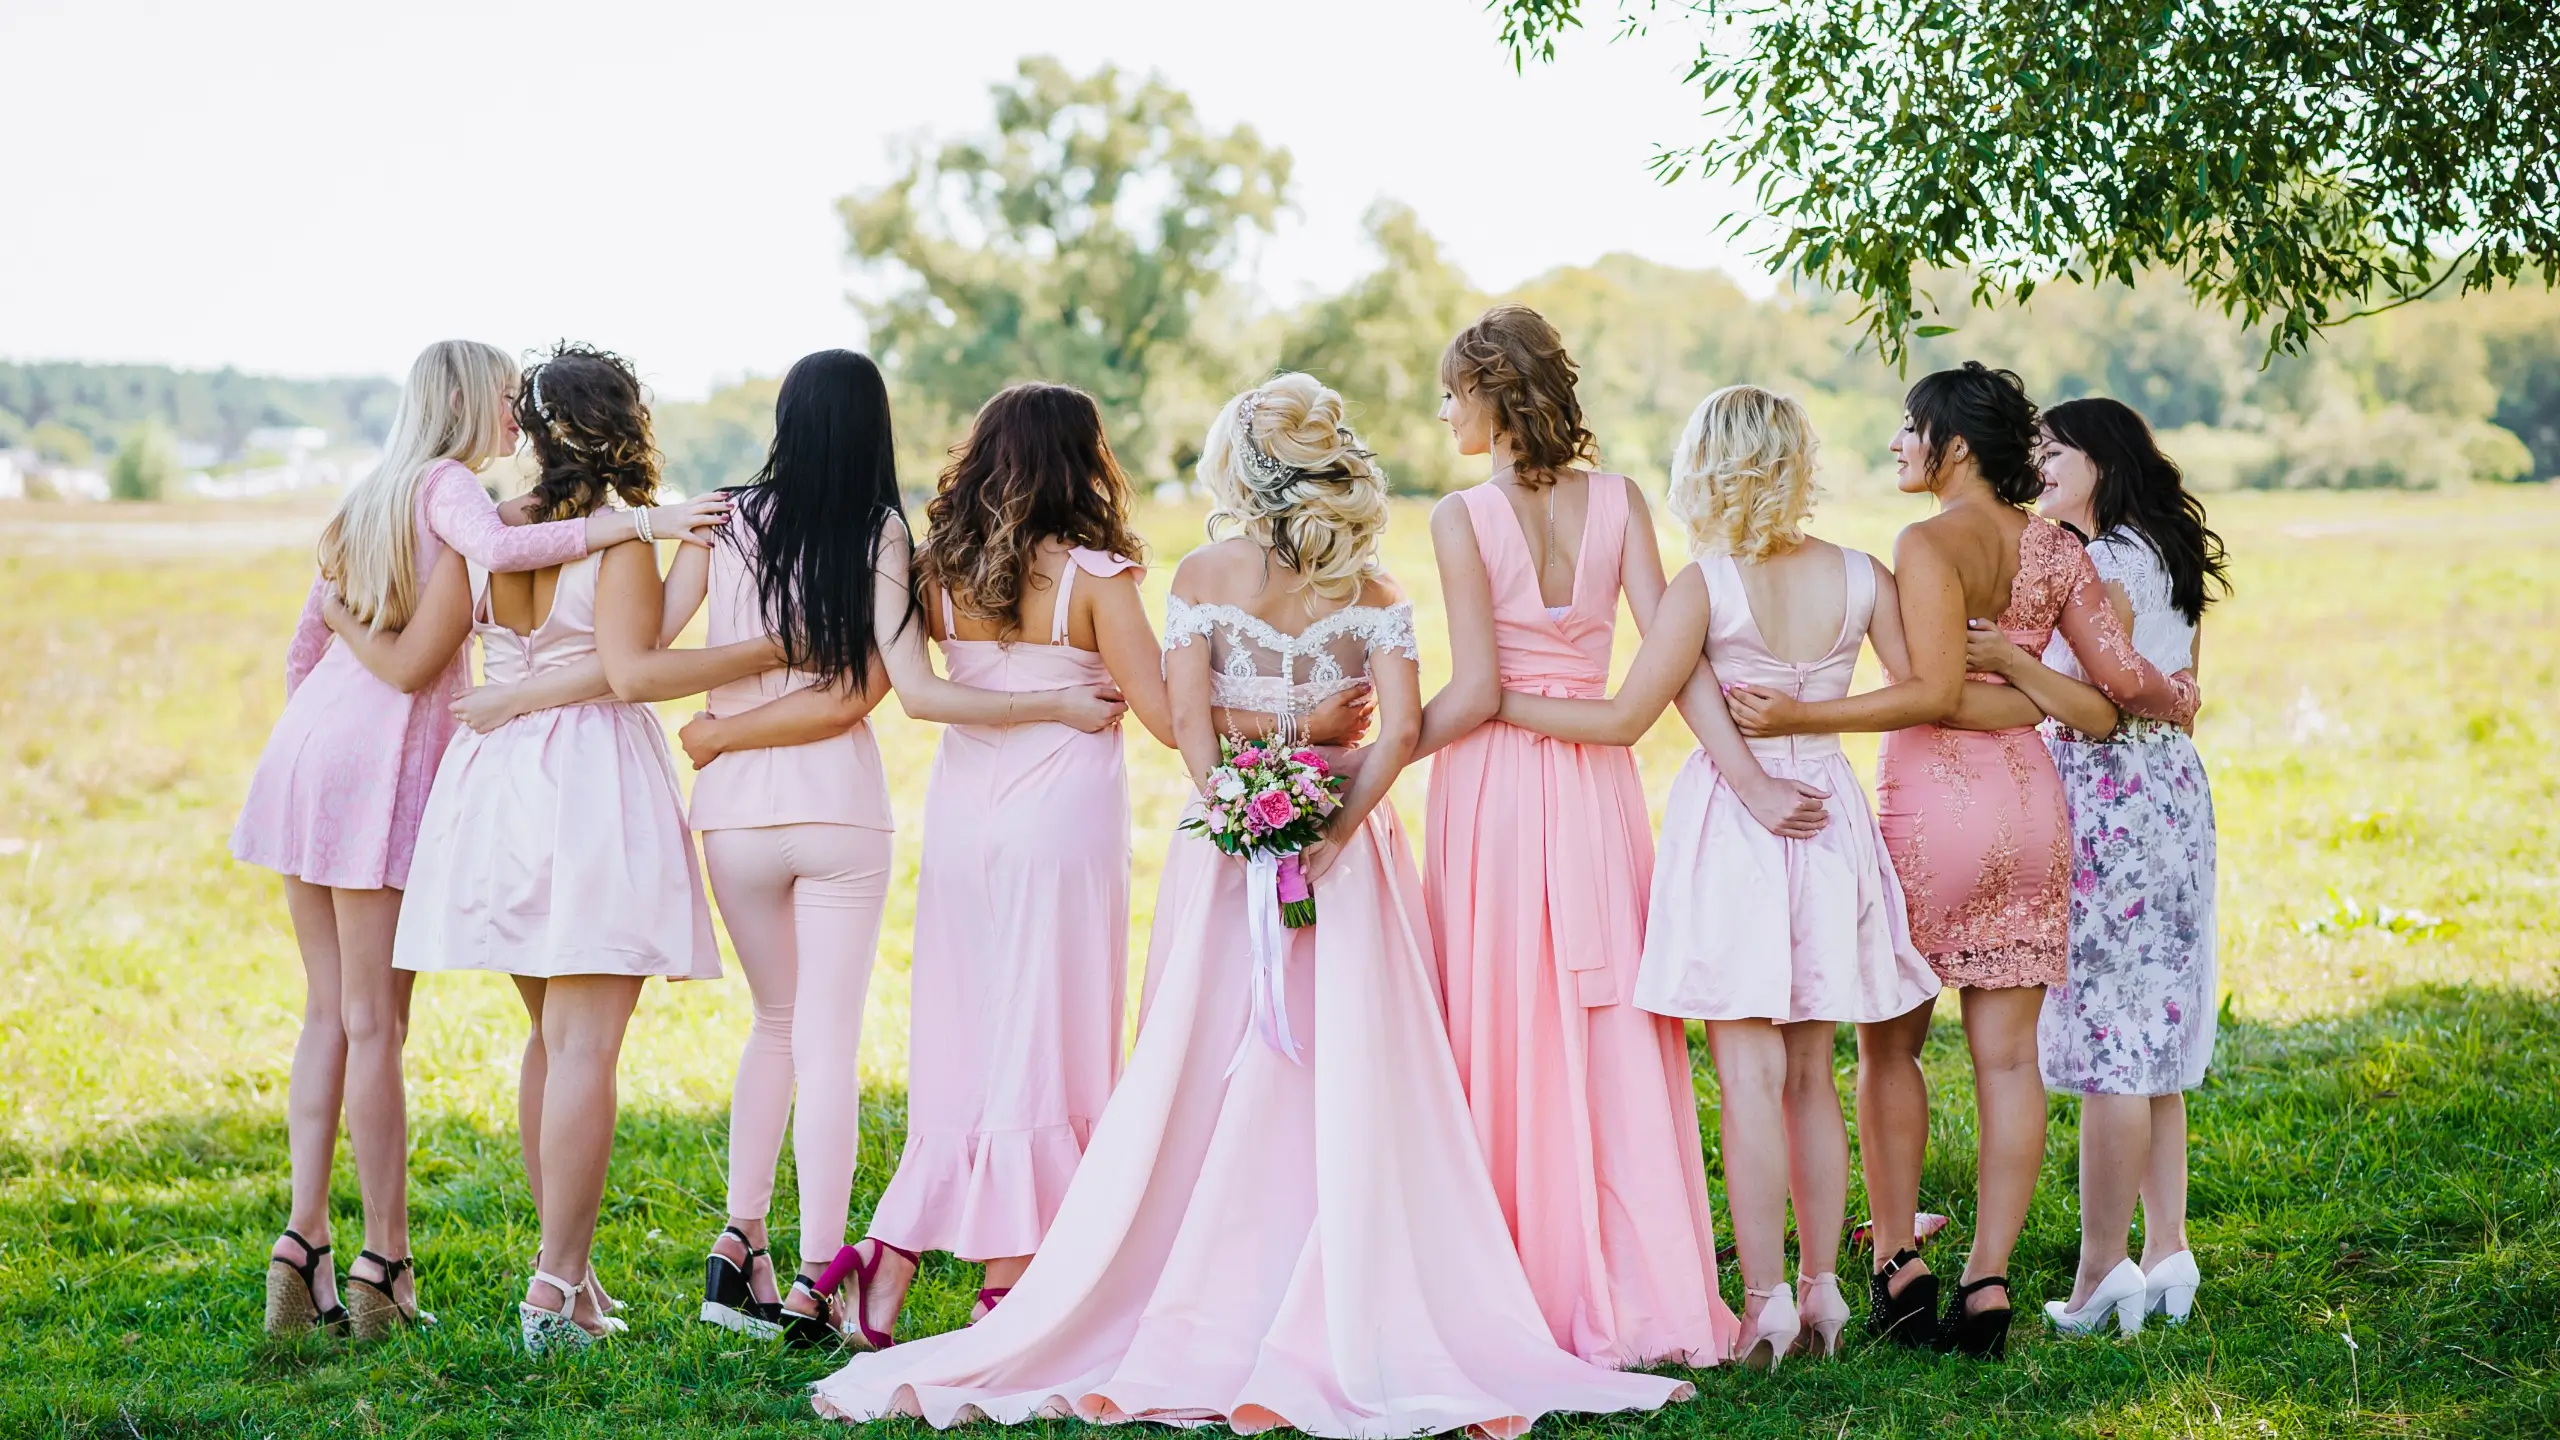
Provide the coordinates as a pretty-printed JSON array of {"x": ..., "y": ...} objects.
[{"x": 1264, "y": 471}]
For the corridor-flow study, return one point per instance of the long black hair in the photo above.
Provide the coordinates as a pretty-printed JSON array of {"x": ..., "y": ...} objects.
[
  {"x": 2141, "y": 490},
  {"x": 818, "y": 509},
  {"x": 1991, "y": 410}
]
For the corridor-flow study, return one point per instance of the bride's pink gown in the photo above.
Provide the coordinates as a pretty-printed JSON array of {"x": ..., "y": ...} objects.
[{"x": 1259, "y": 1242}]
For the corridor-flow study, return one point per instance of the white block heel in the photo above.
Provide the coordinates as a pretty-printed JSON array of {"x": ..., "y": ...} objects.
[{"x": 2171, "y": 1287}]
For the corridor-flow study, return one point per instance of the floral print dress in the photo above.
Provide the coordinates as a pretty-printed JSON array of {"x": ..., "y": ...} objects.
[{"x": 2135, "y": 1014}]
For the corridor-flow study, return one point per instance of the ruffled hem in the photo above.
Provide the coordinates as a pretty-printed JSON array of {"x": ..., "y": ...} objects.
[
  {"x": 2008, "y": 966},
  {"x": 1113, "y": 1404},
  {"x": 980, "y": 1195}
]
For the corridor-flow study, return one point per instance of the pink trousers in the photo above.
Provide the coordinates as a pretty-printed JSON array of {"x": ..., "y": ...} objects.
[{"x": 802, "y": 903}]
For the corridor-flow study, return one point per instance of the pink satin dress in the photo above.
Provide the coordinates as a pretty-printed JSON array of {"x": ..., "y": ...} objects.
[
  {"x": 1744, "y": 925},
  {"x": 1021, "y": 955},
  {"x": 342, "y": 782},
  {"x": 1975, "y": 819},
  {"x": 556, "y": 844},
  {"x": 1538, "y": 862},
  {"x": 1255, "y": 1241}
]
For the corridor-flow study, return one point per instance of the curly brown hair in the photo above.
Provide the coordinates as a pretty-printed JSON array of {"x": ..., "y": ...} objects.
[
  {"x": 1514, "y": 361},
  {"x": 1035, "y": 466},
  {"x": 584, "y": 413}
]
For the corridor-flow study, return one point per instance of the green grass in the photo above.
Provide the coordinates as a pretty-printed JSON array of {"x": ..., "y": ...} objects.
[{"x": 2375, "y": 1155}]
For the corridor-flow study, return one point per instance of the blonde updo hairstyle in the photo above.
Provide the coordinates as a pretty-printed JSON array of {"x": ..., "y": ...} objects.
[
  {"x": 1285, "y": 472},
  {"x": 1742, "y": 474}
]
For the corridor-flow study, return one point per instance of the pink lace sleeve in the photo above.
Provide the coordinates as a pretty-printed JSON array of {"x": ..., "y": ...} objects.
[
  {"x": 2106, "y": 652},
  {"x": 464, "y": 517},
  {"x": 310, "y": 638}
]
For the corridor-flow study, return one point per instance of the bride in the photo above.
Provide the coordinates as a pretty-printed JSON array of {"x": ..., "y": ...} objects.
[{"x": 1254, "y": 1239}]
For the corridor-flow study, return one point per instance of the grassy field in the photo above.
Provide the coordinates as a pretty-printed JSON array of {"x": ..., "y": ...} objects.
[{"x": 2376, "y": 1169}]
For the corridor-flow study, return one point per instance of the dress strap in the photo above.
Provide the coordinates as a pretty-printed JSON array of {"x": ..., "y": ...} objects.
[
  {"x": 1604, "y": 525},
  {"x": 950, "y": 625},
  {"x": 1060, "y": 614}
]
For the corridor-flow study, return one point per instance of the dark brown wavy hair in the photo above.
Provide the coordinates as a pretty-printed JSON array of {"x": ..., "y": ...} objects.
[
  {"x": 2142, "y": 490},
  {"x": 583, "y": 411},
  {"x": 1514, "y": 361},
  {"x": 1036, "y": 466}
]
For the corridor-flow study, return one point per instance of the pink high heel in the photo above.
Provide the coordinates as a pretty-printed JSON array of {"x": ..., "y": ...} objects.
[{"x": 850, "y": 1261}]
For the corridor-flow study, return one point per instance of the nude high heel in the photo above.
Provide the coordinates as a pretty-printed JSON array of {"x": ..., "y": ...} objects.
[
  {"x": 2170, "y": 1288},
  {"x": 1824, "y": 1313},
  {"x": 2121, "y": 1293},
  {"x": 1774, "y": 1332}
]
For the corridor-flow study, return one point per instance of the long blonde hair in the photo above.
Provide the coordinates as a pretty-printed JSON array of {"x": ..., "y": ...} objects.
[
  {"x": 451, "y": 409},
  {"x": 1285, "y": 472},
  {"x": 1742, "y": 474}
]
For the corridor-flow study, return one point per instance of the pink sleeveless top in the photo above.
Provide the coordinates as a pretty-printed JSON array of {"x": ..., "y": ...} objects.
[
  {"x": 1014, "y": 665},
  {"x": 835, "y": 781},
  {"x": 1542, "y": 652}
]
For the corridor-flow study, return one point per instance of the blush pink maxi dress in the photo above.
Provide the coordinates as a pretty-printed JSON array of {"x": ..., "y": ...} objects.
[
  {"x": 344, "y": 778},
  {"x": 1261, "y": 1243},
  {"x": 1975, "y": 819},
  {"x": 1538, "y": 863},
  {"x": 556, "y": 844},
  {"x": 1021, "y": 955},
  {"x": 1745, "y": 925}
]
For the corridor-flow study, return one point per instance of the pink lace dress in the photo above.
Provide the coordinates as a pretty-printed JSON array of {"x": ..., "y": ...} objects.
[
  {"x": 1975, "y": 819},
  {"x": 338, "y": 792}
]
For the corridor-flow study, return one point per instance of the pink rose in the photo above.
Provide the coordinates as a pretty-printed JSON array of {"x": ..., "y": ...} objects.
[
  {"x": 1313, "y": 760},
  {"x": 1271, "y": 810},
  {"x": 1246, "y": 759}
]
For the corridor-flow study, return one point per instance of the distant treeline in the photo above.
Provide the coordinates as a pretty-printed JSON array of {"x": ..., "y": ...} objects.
[{"x": 105, "y": 404}]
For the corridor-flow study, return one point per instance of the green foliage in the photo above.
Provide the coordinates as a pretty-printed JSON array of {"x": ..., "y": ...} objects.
[
  {"x": 1078, "y": 243},
  {"x": 218, "y": 407},
  {"x": 144, "y": 464},
  {"x": 717, "y": 441},
  {"x": 2289, "y": 163},
  {"x": 61, "y": 444},
  {"x": 1379, "y": 343}
]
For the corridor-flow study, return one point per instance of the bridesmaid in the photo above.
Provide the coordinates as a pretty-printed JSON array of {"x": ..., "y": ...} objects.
[
  {"x": 2131, "y": 1028},
  {"x": 1771, "y": 925},
  {"x": 1974, "y": 819},
  {"x": 1257, "y": 1238},
  {"x": 335, "y": 801},
  {"x": 1538, "y": 856},
  {"x": 554, "y": 847},
  {"x": 794, "y": 807}
]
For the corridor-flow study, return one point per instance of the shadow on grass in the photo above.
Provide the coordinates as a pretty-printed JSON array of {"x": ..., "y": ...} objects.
[{"x": 2388, "y": 1178}]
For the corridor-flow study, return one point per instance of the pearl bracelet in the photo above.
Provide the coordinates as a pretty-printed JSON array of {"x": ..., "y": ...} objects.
[{"x": 640, "y": 525}]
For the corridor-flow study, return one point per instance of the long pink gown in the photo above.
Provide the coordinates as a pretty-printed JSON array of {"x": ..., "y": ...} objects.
[
  {"x": 1021, "y": 955},
  {"x": 1255, "y": 1241},
  {"x": 1538, "y": 862},
  {"x": 1975, "y": 819},
  {"x": 342, "y": 782}
]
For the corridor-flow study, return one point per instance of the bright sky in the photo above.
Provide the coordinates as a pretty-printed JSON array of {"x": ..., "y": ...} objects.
[{"x": 321, "y": 188}]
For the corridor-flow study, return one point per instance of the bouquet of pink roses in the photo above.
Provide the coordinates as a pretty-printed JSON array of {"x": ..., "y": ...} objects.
[{"x": 1267, "y": 804}]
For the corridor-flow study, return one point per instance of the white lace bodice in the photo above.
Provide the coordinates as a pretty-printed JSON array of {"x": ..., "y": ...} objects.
[
  {"x": 1254, "y": 666},
  {"x": 2160, "y": 633}
]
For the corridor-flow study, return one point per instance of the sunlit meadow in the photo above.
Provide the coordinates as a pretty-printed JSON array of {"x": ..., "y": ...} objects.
[{"x": 2375, "y": 1156}]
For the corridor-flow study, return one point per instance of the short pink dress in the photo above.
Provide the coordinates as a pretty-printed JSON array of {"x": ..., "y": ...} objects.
[
  {"x": 1975, "y": 819},
  {"x": 342, "y": 782},
  {"x": 1021, "y": 955},
  {"x": 556, "y": 844},
  {"x": 1745, "y": 925},
  {"x": 1537, "y": 862}
]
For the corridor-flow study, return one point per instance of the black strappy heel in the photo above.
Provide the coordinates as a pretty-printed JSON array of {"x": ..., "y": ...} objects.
[
  {"x": 1982, "y": 1334},
  {"x": 293, "y": 1293},
  {"x": 1903, "y": 1317},
  {"x": 803, "y": 1332},
  {"x": 728, "y": 1293},
  {"x": 376, "y": 1313}
]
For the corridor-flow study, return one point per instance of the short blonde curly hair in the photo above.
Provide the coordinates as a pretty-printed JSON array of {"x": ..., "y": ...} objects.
[
  {"x": 1742, "y": 474},
  {"x": 1285, "y": 472}
]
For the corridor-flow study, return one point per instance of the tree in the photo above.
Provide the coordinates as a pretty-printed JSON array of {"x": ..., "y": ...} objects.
[
  {"x": 2296, "y": 164},
  {"x": 1379, "y": 343},
  {"x": 719, "y": 441},
  {"x": 1076, "y": 243},
  {"x": 144, "y": 464}
]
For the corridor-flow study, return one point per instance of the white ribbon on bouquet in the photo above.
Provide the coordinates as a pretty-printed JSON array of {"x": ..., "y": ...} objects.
[{"x": 1270, "y": 937}]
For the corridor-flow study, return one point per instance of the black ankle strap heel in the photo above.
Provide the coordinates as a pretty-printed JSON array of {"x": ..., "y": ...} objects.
[
  {"x": 1906, "y": 1316},
  {"x": 1982, "y": 1334},
  {"x": 728, "y": 1292}
]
